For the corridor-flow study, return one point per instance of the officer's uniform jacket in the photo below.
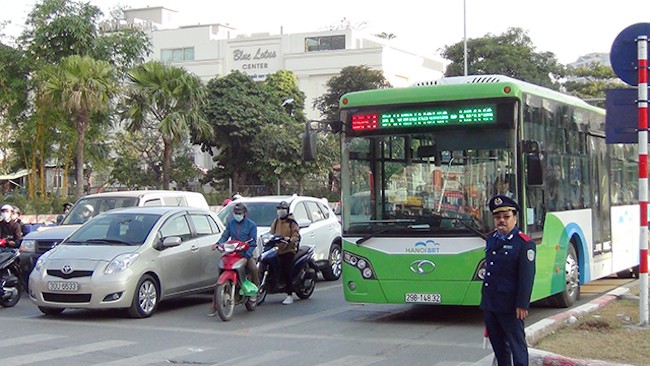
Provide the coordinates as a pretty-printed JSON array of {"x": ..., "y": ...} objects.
[{"x": 510, "y": 271}]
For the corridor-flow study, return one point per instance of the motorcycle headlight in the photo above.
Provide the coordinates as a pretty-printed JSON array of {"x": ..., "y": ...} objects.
[
  {"x": 28, "y": 245},
  {"x": 120, "y": 263}
]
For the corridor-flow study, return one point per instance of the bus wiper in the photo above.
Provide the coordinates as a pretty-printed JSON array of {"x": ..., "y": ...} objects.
[
  {"x": 371, "y": 235},
  {"x": 471, "y": 228},
  {"x": 412, "y": 226}
]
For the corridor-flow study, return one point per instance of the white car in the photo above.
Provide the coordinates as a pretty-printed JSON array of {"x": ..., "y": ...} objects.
[
  {"x": 319, "y": 227},
  {"x": 130, "y": 258}
]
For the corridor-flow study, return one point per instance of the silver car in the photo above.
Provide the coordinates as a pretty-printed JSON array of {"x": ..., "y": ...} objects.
[{"x": 130, "y": 258}]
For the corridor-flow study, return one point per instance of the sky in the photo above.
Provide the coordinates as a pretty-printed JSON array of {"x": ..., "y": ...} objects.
[{"x": 567, "y": 28}]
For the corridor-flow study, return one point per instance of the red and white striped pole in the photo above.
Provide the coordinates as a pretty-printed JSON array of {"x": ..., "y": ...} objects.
[{"x": 642, "y": 47}]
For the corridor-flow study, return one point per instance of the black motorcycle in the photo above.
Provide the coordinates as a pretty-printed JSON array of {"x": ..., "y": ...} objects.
[
  {"x": 11, "y": 287},
  {"x": 303, "y": 272}
]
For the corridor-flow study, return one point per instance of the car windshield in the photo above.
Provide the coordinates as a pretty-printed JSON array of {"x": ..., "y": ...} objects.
[
  {"x": 115, "y": 229},
  {"x": 261, "y": 213},
  {"x": 87, "y": 208}
]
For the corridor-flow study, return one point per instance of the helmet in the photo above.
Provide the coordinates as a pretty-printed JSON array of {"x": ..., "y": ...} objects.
[
  {"x": 89, "y": 208},
  {"x": 67, "y": 205},
  {"x": 236, "y": 196},
  {"x": 283, "y": 205},
  {"x": 239, "y": 208},
  {"x": 7, "y": 207},
  {"x": 17, "y": 210}
]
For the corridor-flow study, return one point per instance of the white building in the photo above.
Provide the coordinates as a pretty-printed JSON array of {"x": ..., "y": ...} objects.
[{"x": 210, "y": 50}]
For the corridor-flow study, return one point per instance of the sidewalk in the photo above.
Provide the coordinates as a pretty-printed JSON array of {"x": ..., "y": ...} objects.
[{"x": 546, "y": 326}]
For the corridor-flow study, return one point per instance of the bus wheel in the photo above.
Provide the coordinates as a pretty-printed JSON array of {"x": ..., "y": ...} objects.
[{"x": 571, "y": 291}]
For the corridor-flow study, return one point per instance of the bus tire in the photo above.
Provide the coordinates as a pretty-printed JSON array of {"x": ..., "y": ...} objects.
[{"x": 571, "y": 292}]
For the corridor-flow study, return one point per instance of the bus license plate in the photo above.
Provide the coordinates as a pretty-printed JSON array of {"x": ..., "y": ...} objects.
[
  {"x": 63, "y": 286},
  {"x": 424, "y": 298}
]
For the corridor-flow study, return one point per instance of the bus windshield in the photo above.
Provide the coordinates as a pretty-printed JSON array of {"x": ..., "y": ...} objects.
[{"x": 426, "y": 182}]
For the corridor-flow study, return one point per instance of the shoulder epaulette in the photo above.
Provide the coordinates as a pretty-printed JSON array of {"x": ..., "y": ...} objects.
[{"x": 524, "y": 236}]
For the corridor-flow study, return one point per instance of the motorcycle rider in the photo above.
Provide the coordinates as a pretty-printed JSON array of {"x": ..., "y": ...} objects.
[
  {"x": 10, "y": 229},
  {"x": 243, "y": 229},
  {"x": 285, "y": 225}
]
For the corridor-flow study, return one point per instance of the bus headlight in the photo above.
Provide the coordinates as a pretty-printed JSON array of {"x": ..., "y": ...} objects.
[
  {"x": 479, "y": 274},
  {"x": 360, "y": 263}
]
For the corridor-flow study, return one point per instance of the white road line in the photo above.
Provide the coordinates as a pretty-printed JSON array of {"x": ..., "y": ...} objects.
[
  {"x": 299, "y": 319},
  {"x": 153, "y": 357},
  {"x": 320, "y": 288},
  {"x": 63, "y": 352},
  {"x": 34, "y": 338},
  {"x": 257, "y": 360},
  {"x": 355, "y": 360}
]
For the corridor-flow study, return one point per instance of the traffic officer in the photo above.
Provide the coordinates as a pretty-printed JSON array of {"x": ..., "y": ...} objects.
[{"x": 508, "y": 283}]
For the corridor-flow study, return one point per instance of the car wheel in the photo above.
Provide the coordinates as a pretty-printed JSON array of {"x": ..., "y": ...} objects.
[
  {"x": 571, "y": 292},
  {"x": 145, "y": 298},
  {"x": 50, "y": 311},
  {"x": 332, "y": 271}
]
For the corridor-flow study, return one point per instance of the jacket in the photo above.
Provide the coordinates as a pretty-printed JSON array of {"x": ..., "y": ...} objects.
[
  {"x": 509, "y": 272},
  {"x": 246, "y": 230},
  {"x": 287, "y": 227}
]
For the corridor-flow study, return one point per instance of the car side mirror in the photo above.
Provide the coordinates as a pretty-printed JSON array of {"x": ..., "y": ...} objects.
[
  {"x": 302, "y": 223},
  {"x": 171, "y": 241}
]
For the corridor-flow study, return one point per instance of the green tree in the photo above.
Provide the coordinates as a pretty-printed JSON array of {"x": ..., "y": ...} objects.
[
  {"x": 351, "y": 78},
  {"x": 590, "y": 82},
  {"x": 172, "y": 98},
  {"x": 55, "y": 29},
  {"x": 237, "y": 109},
  {"x": 139, "y": 154},
  {"x": 511, "y": 54},
  {"x": 81, "y": 87}
]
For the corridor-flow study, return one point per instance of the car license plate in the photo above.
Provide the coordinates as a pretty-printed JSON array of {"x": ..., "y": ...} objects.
[
  {"x": 424, "y": 298},
  {"x": 63, "y": 286}
]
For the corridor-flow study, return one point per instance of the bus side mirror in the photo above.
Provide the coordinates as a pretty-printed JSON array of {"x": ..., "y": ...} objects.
[
  {"x": 309, "y": 146},
  {"x": 336, "y": 126},
  {"x": 533, "y": 163}
]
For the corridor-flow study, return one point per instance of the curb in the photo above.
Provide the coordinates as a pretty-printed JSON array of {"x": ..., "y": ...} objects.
[{"x": 544, "y": 327}]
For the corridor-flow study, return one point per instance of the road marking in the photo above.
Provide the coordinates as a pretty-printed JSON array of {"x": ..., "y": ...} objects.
[
  {"x": 328, "y": 287},
  {"x": 154, "y": 357},
  {"x": 299, "y": 319},
  {"x": 63, "y": 352},
  {"x": 355, "y": 360},
  {"x": 258, "y": 360},
  {"x": 35, "y": 338}
]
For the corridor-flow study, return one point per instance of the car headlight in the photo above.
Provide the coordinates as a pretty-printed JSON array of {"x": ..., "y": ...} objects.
[
  {"x": 28, "y": 245},
  {"x": 41, "y": 261},
  {"x": 120, "y": 263}
]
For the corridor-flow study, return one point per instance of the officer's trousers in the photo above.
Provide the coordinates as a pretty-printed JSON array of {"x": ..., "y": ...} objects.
[{"x": 507, "y": 335}]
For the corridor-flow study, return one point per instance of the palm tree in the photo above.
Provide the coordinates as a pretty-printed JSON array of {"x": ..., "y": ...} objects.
[
  {"x": 173, "y": 98},
  {"x": 81, "y": 87}
]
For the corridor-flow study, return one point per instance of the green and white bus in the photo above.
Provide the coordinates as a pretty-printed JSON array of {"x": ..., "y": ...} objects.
[{"x": 419, "y": 164}]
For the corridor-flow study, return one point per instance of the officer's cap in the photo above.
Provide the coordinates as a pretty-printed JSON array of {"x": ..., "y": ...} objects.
[{"x": 501, "y": 203}]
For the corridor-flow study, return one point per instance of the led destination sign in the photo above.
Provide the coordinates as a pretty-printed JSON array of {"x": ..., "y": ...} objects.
[{"x": 439, "y": 116}]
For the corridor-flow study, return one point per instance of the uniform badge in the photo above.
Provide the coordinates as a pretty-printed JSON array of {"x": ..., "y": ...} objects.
[
  {"x": 498, "y": 201},
  {"x": 530, "y": 254}
]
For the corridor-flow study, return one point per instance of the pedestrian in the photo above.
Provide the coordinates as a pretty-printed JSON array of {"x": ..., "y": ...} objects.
[
  {"x": 243, "y": 229},
  {"x": 287, "y": 226},
  {"x": 508, "y": 283},
  {"x": 9, "y": 229}
]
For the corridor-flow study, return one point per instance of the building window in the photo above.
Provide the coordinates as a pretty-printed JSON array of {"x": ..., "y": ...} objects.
[
  {"x": 177, "y": 54},
  {"x": 314, "y": 44}
]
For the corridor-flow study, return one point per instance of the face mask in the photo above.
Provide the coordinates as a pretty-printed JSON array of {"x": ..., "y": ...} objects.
[
  {"x": 238, "y": 218},
  {"x": 282, "y": 213},
  {"x": 6, "y": 216}
]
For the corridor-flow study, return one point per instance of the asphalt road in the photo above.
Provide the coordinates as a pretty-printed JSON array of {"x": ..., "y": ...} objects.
[{"x": 323, "y": 330}]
